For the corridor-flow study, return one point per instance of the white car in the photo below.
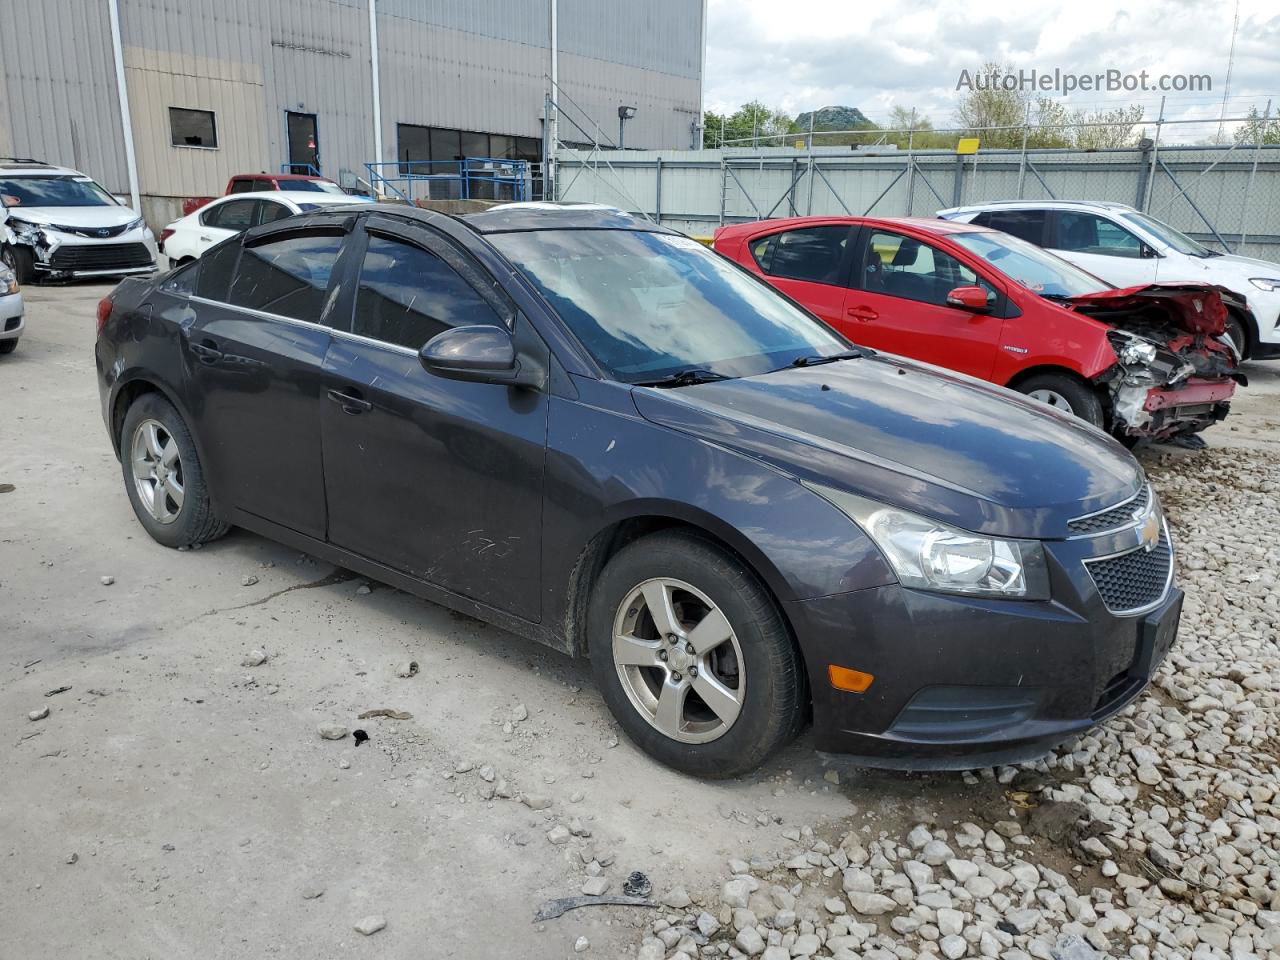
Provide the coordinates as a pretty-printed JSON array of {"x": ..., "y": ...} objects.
[
  {"x": 188, "y": 238},
  {"x": 1122, "y": 246},
  {"x": 56, "y": 223},
  {"x": 11, "y": 310}
]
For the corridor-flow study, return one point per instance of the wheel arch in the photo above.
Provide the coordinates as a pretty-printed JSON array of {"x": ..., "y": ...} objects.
[
  {"x": 1043, "y": 369},
  {"x": 128, "y": 389},
  {"x": 620, "y": 531}
]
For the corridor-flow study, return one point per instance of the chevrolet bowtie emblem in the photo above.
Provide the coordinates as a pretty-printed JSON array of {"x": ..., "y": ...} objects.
[{"x": 1149, "y": 536}]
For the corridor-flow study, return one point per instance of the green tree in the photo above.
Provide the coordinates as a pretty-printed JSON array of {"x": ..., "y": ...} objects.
[
  {"x": 988, "y": 104},
  {"x": 1259, "y": 129},
  {"x": 752, "y": 122}
]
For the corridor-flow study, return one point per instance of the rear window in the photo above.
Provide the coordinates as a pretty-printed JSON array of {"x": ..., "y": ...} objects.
[{"x": 1026, "y": 225}]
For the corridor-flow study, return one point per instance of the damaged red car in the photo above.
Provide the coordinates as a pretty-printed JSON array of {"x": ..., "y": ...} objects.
[{"x": 1150, "y": 361}]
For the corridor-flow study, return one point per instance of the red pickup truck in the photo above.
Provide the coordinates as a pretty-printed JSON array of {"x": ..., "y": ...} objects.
[{"x": 253, "y": 182}]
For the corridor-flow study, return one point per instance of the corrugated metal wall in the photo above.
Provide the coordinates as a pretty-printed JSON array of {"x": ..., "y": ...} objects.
[
  {"x": 58, "y": 100},
  {"x": 462, "y": 64}
]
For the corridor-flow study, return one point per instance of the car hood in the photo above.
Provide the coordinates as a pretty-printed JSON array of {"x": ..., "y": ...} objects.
[
  {"x": 74, "y": 216},
  {"x": 1193, "y": 307},
  {"x": 914, "y": 436},
  {"x": 1250, "y": 266}
]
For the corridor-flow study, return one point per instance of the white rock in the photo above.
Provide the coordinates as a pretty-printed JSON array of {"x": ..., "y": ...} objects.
[
  {"x": 870, "y": 904},
  {"x": 595, "y": 886},
  {"x": 39, "y": 714},
  {"x": 370, "y": 925},
  {"x": 581, "y": 945},
  {"x": 953, "y": 947},
  {"x": 936, "y": 853},
  {"x": 332, "y": 731}
]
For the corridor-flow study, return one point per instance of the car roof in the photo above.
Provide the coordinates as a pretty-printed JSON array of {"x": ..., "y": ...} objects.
[
  {"x": 277, "y": 176},
  {"x": 22, "y": 167},
  {"x": 924, "y": 224},
  {"x": 546, "y": 215},
  {"x": 1040, "y": 205}
]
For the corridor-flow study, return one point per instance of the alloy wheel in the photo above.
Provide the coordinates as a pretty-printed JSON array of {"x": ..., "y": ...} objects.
[
  {"x": 1052, "y": 398},
  {"x": 157, "y": 470},
  {"x": 679, "y": 660}
]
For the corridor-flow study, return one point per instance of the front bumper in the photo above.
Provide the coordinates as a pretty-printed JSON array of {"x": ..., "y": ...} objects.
[
  {"x": 962, "y": 682},
  {"x": 58, "y": 255},
  {"x": 1159, "y": 412}
]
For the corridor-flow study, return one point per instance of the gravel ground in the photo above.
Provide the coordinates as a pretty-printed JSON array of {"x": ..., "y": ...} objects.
[{"x": 184, "y": 796}]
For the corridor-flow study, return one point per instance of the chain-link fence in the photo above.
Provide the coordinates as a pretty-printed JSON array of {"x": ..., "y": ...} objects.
[{"x": 1224, "y": 194}]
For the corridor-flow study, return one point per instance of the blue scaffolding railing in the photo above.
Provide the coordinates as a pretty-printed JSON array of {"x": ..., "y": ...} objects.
[
  {"x": 306, "y": 169},
  {"x": 471, "y": 178}
]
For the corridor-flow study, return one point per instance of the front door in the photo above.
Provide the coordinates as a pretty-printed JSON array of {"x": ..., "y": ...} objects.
[
  {"x": 437, "y": 478},
  {"x": 304, "y": 147},
  {"x": 254, "y": 353},
  {"x": 898, "y": 303},
  {"x": 1103, "y": 247}
]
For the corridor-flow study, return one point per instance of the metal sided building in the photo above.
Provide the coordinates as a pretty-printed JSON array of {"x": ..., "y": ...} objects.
[{"x": 170, "y": 98}]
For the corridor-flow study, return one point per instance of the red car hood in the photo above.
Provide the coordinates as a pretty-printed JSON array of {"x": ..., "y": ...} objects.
[{"x": 1193, "y": 307}]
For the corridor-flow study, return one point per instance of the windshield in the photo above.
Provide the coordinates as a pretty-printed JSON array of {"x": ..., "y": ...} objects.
[
  {"x": 648, "y": 305},
  {"x": 64, "y": 191},
  {"x": 1038, "y": 271},
  {"x": 1166, "y": 234},
  {"x": 314, "y": 186}
]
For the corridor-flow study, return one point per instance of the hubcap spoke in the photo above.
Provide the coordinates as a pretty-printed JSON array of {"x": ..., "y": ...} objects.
[
  {"x": 143, "y": 469},
  {"x": 151, "y": 437},
  {"x": 670, "y": 715},
  {"x": 633, "y": 652},
  {"x": 169, "y": 453},
  {"x": 711, "y": 632},
  {"x": 657, "y": 597},
  {"x": 723, "y": 702}
]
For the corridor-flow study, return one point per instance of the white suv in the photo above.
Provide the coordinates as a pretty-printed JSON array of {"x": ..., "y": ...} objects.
[
  {"x": 56, "y": 222},
  {"x": 1122, "y": 246}
]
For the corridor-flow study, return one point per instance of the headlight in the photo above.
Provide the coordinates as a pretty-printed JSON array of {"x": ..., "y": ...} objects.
[
  {"x": 934, "y": 556},
  {"x": 1265, "y": 283},
  {"x": 8, "y": 282},
  {"x": 1136, "y": 352},
  {"x": 134, "y": 225},
  {"x": 23, "y": 229}
]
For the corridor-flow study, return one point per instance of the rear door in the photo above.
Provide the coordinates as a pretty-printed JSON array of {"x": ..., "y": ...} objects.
[
  {"x": 437, "y": 478},
  {"x": 809, "y": 264},
  {"x": 1103, "y": 247},
  {"x": 899, "y": 304},
  {"x": 218, "y": 221},
  {"x": 255, "y": 352}
]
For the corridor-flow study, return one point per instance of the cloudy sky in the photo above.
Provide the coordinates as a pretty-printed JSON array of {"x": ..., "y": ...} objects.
[{"x": 801, "y": 54}]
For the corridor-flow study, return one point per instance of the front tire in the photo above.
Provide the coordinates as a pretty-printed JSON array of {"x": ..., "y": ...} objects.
[
  {"x": 692, "y": 656},
  {"x": 1239, "y": 337},
  {"x": 1066, "y": 394},
  {"x": 20, "y": 261},
  {"x": 163, "y": 476},
  {"x": 8, "y": 346}
]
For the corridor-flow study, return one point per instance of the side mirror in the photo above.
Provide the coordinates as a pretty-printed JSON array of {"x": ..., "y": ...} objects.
[
  {"x": 479, "y": 353},
  {"x": 969, "y": 298}
]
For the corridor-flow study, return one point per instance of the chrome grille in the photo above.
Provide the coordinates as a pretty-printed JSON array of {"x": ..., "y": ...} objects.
[
  {"x": 1118, "y": 516},
  {"x": 1136, "y": 580},
  {"x": 100, "y": 256}
]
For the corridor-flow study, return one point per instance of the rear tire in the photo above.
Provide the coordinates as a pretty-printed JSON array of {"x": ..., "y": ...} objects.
[
  {"x": 737, "y": 680},
  {"x": 19, "y": 260},
  {"x": 1066, "y": 394},
  {"x": 163, "y": 476}
]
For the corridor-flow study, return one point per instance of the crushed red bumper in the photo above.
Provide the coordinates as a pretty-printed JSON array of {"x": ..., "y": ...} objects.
[{"x": 1191, "y": 393}]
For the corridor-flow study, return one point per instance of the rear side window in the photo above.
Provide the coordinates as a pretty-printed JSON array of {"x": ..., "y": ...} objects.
[
  {"x": 1089, "y": 233},
  {"x": 232, "y": 215},
  {"x": 814, "y": 254},
  {"x": 407, "y": 295},
  {"x": 244, "y": 185},
  {"x": 1026, "y": 225},
  {"x": 216, "y": 266},
  {"x": 287, "y": 275},
  {"x": 269, "y": 211}
]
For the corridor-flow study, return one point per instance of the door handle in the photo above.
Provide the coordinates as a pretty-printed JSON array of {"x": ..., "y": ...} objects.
[
  {"x": 863, "y": 313},
  {"x": 206, "y": 239},
  {"x": 351, "y": 403},
  {"x": 207, "y": 352}
]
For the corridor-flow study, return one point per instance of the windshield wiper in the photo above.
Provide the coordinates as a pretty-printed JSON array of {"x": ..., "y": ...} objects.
[
  {"x": 857, "y": 353},
  {"x": 685, "y": 378}
]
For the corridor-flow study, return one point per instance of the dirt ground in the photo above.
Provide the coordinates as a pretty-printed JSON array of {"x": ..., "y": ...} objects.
[{"x": 176, "y": 803}]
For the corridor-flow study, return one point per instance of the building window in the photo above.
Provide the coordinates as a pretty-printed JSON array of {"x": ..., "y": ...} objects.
[{"x": 192, "y": 128}]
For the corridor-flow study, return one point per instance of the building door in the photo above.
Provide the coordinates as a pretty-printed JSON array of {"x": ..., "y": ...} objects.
[{"x": 304, "y": 147}]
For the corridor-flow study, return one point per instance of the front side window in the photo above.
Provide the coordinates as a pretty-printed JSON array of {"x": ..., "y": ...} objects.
[
  {"x": 192, "y": 128},
  {"x": 54, "y": 191},
  {"x": 287, "y": 275},
  {"x": 232, "y": 215},
  {"x": 1033, "y": 267},
  {"x": 899, "y": 266},
  {"x": 1089, "y": 233},
  {"x": 407, "y": 295},
  {"x": 814, "y": 254},
  {"x": 1176, "y": 239},
  {"x": 647, "y": 305}
]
